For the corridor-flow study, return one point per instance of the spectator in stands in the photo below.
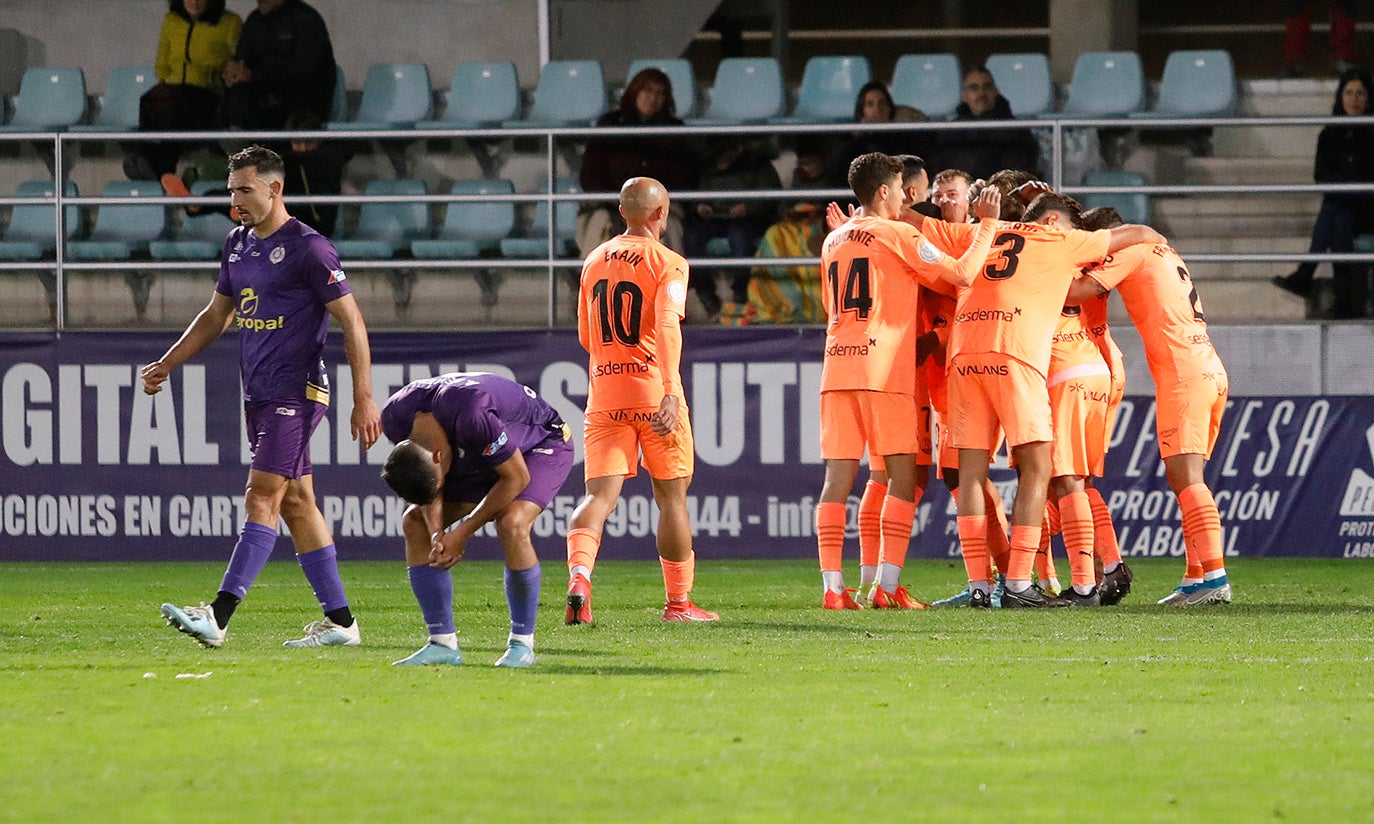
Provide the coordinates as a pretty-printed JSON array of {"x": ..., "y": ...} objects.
[
  {"x": 985, "y": 151},
  {"x": 950, "y": 192},
  {"x": 198, "y": 38},
  {"x": 610, "y": 161},
  {"x": 792, "y": 294},
  {"x": 733, "y": 167},
  {"x": 284, "y": 63},
  {"x": 874, "y": 104},
  {"x": 315, "y": 167},
  {"x": 1345, "y": 154},
  {"x": 1298, "y": 31}
]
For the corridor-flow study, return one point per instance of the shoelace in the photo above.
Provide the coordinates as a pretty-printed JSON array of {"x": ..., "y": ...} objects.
[{"x": 315, "y": 628}]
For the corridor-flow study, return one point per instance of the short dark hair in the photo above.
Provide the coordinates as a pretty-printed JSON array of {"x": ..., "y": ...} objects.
[
  {"x": 1102, "y": 217},
  {"x": 1055, "y": 202},
  {"x": 912, "y": 165},
  {"x": 410, "y": 471},
  {"x": 257, "y": 157},
  {"x": 868, "y": 172},
  {"x": 1006, "y": 181}
]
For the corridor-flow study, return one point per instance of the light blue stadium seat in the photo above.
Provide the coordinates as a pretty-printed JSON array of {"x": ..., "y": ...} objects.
[
  {"x": 119, "y": 103},
  {"x": 30, "y": 233},
  {"x": 829, "y": 88},
  {"x": 200, "y": 237},
  {"x": 471, "y": 228},
  {"x": 50, "y": 99},
  {"x": 535, "y": 242},
  {"x": 1024, "y": 80},
  {"x": 1106, "y": 84},
  {"x": 338, "y": 107},
  {"x": 929, "y": 82},
  {"x": 1196, "y": 84},
  {"x": 1134, "y": 208},
  {"x": 384, "y": 228},
  {"x": 123, "y": 230},
  {"x": 570, "y": 93},
  {"x": 747, "y": 90},
  {"x": 395, "y": 96},
  {"x": 1364, "y": 243},
  {"x": 482, "y": 94},
  {"x": 680, "y": 74}
]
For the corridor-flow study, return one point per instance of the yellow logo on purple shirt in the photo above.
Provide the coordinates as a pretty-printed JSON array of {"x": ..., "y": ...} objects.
[
  {"x": 248, "y": 306},
  {"x": 248, "y": 301}
]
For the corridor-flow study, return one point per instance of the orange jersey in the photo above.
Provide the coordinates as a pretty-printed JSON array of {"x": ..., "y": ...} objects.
[
  {"x": 1095, "y": 320},
  {"x": 936, "y": 315},
  {"x": 1164, "y": 305},
  {"x": 1072, "y": 344},
  {"x": 1013, "y": 305},
  {"x": 872, "y": 268},
  {"x": 633, "y": 293}
]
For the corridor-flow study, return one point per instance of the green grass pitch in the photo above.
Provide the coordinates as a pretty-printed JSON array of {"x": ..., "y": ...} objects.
[{"x": 1260, "y": 711}]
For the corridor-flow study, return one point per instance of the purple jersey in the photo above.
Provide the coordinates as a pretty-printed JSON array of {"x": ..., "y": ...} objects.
[
  {"x": 280, "y": 285},
  {"x": 487, "y": 418}
]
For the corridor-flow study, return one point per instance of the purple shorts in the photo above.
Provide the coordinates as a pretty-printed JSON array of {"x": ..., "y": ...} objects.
[
  {"x": 279, "y": 435},
  {"x": 549, "y": 464}
]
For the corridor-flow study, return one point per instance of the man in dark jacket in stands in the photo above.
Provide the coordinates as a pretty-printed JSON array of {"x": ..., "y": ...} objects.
[
  {"x": 985, "y": 151},
  {"x": 284, "y": 63}
]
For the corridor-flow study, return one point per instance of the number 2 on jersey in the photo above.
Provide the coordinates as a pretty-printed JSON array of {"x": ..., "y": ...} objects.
[
  {"x": 618, "y": 311},
  {"x": 1192, "y": 294},
  {"x": 857, "y": 295}
]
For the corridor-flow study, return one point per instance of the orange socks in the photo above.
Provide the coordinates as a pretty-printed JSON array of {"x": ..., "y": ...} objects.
[
  {"x": 898, "y": 516},
  {"x": 1044, "y": 555},
  {"x": 678, "y": 576},
  {"x": 830, "y": 518},
  {"x": 1025, "y": 541},
  {"x": 871, "y": 523},
  {"x": 1104, "y": 531},
  {"x": 1201, "y": 530},
  {"x": 973, "y": 541},
  {"x": 1076, "y": 516},
  {"x": 583, "y": 544}
]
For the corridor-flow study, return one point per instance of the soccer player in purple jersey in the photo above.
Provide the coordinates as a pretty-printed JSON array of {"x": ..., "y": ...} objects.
[
  {"x": 473, "y": 448},
  {"x": 279, "y": 283}
]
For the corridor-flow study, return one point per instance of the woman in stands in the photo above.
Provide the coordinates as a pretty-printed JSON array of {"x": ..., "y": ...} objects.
[
  {"x": 1345, "y": 154},
  {"x": 610, "y": 161},
  {"x": 874, "y": 104},
  {"x": 198, "y": 37}
]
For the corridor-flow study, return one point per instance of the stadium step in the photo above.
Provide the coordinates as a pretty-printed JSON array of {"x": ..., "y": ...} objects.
[{"x": 1249, "y": 169}]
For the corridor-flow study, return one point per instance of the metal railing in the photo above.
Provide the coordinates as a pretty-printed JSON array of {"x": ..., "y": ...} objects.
[{"x": 62, "y": 144}]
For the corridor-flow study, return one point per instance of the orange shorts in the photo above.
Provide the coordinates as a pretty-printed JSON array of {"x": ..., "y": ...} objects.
[
  {"x": 614, "y": 439},
  {"x": 1188, "y": 415},
  {"x": 989, "y": 388},
  {"x": 925, "y": 442},
  {"x": 1079, "y": 403},
  {"x": 853, "y": 418}
]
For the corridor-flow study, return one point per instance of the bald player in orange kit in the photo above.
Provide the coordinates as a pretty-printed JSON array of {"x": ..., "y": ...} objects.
[{"x": 629, "y": 310}]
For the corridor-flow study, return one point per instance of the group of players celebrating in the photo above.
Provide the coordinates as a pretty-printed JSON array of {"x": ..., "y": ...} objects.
[{"x": 944, "y": 337}]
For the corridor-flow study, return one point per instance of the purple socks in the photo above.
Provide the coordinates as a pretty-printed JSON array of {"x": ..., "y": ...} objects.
[
  {"x": 433, "y": 589},
  {"x": 522, "y": 596},
  {"x": 322, "y": 571},
  {"x": 250, "y": 555}
]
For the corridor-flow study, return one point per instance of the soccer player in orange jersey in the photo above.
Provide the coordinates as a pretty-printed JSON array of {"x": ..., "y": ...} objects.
[
  {"x": 629, "y": 309},
  {"x": 1190, "y": 397},
  {"x": 949, "y": 191},
  {"x": 1002, "y": 339},
  {"x": 872, "y": 265}
]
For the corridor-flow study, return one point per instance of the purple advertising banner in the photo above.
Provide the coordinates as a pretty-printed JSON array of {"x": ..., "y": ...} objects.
[{"x": 93, "y": 469}]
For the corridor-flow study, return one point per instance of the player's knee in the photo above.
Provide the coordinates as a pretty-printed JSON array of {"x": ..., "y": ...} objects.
[{"x": 513, "y": 525}]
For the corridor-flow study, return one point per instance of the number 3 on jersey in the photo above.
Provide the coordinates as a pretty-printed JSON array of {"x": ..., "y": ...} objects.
[
  {"x": 1002, "y": 261},
  {"x": 857, "y": 295}
]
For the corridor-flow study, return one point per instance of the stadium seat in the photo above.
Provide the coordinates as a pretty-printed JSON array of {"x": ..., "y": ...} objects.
[
  {"x": 1364, "y": 243},
  {"x": 119, "y": 104},
  {"x": 570, "y": 93},
  {"x": 50, "y": 100},
  {"x": 1024, "y": 80},
  {"x": 386, "y": 227},
  {"x": 680, "y": 74},
  {"x": 929, "y": 82},
  {"x": 482, "y": 94},
  {"x": 535, "y": 242},
  {"x": 1196, "y": 84},
  {"x": 30, "y": 234},
  {"x": 747, "y": 90},
  {"x": 395, "y": 96},
  {"x": 122, "y": 230},
  {"x": 829, "y": 88},
  {"x": 471, "y": 228},
  {"x": 1106, "y": 84},
  {"x": 1134, "y": 208},
  {"x": 200, "y": 237},
  {"x": 338, "y": 108}
]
